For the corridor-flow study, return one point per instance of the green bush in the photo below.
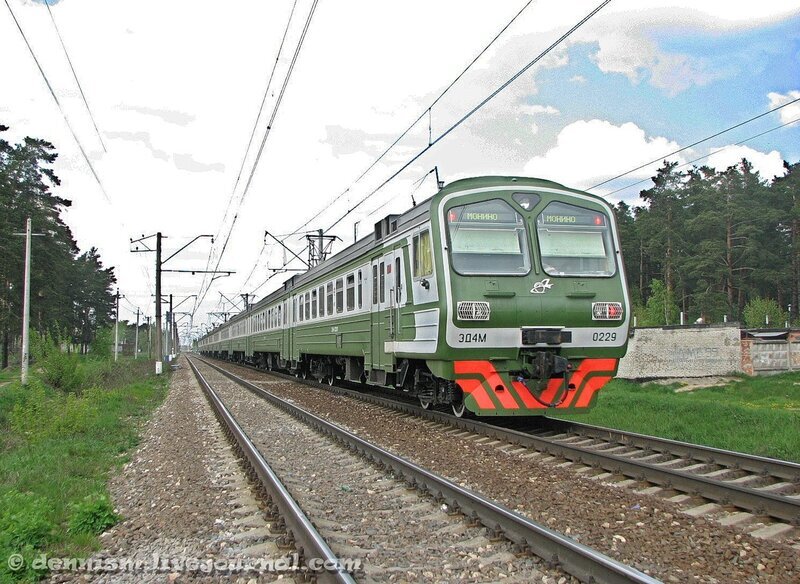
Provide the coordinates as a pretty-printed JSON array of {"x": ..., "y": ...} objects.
[
  {"x": 93, "y": 515},
  {"x": 57, "y": 368},
  {"x": 757, "y": 311},
  {"x": 24, "y": 528}
]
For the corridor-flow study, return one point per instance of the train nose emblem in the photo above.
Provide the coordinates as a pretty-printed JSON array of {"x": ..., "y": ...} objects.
[{"x": 541, "y": 287}]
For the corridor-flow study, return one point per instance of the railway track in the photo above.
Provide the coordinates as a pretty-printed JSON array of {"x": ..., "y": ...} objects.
[
  {"x": 388, "y": 474},
  {"x": 306, "y": 537},
  {"x": 751, "y": 491}
]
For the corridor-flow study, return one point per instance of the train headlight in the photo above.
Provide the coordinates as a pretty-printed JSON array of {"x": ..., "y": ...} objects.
[{"x": 607, "y": 311}]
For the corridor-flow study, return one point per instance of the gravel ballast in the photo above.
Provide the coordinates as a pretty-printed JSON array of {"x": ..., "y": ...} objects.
[
  {"x": 183, "y": 498},
  {"x": 364, "y": 512},
  {"x": 641, "y": 530}
]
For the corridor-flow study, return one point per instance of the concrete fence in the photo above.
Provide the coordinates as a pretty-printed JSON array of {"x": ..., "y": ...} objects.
[
  {"x": 706, "y": 350},
  {"x": 683, "y": 351}
]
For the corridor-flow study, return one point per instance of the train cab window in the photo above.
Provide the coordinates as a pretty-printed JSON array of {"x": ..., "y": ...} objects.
[
  {"x": 574, "y": 241},
  {"x": 375, "y": 284},
  {"x": 360, "y": 289},
  {"x": 423, "y": 255},
  {"x": 488, "y": 237},
  {"x": 339, "y": 295},
  {"x": 398, "y": 282},
  {"x": 351, "y": 292},
  {"x": 383, "y": 283},
  {"x": 314, "y": 303}
]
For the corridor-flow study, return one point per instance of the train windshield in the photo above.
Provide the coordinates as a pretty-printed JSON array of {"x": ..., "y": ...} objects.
[
  {"x": 575, "y": 241},
  {"x": 488, "y": 237}
]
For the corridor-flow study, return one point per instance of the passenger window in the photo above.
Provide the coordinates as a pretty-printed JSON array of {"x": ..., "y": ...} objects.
[
  {"x": 321, "y": 301},
  {"x": 360, "y": 289},
  {"x": 398, "y": 281},
  {"x": 351, "y": 292},
  {"x": 308, "y": 306},
  {"x": 383, "y": 283},
  {"x": 330, "y": 298},
  {"x": 314, "y": 303},
  {"x": 375, "y": 284},
  {"x": 423, "y": 255},
  {"x": 339, "y": 295}
]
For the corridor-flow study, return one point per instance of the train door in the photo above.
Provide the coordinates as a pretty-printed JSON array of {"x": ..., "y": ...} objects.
[
  {"x": 377, "y": 316},
  {"x": 291, "y": 309}
]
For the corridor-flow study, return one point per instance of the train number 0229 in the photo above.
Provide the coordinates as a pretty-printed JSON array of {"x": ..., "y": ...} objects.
[{"x": 604, "y": 337}]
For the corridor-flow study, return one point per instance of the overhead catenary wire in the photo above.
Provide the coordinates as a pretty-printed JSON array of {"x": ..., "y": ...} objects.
[
  {"x": 693, "y": 144},
  {"x": 270, "y": 124},
  {"x": 425, "y": 112},
  {"x": 739, "y": 143},
  {"x": 75, "y": 75},
  {"x": 58, "y": 103},
  {"x": 464, "y": 118},
  {"x": 471, "y": 112},
  {"x": 252, "y": 135}
]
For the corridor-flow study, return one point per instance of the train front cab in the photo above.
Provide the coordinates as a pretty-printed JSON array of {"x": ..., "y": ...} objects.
[{"x": 537, "y": 307}]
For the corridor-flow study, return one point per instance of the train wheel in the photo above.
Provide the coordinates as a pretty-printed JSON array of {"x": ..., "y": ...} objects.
[
  {"x": 459, "y": 409},
  {"x": 425, "y": 403},
  {"x": 331, "y": 380}
]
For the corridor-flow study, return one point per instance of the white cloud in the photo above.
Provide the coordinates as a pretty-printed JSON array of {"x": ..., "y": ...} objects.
[
  {"x": 534, "y": 129},
  {"x": 577, "y": 79},
  {"x": 532, "y": 110},
  {"x": 630, "y": 52},
  {"x": 769, "y": 165},
  {"x": 587, "y": 152},
  {"x": 790, "y": 112}
]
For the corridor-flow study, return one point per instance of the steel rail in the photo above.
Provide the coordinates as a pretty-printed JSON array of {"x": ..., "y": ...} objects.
[
  {"x": 586, "y": 564},
  {"x": 305, "y": 535},
  {"x": 784, "y": 508},
  {"x": 760, "y": 465}
]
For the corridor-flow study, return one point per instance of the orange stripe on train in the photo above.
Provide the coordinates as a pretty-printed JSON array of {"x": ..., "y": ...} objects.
[
  {"x": 493, "y": 379},
  {"x": 474, "y": 387}
]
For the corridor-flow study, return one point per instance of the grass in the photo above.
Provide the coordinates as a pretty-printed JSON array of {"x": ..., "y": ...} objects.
[
  {"x": 758, "y": 415},
  {"x": 57, "y": 450}
]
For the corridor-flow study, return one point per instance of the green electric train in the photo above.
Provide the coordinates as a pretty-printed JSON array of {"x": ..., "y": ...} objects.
[{"x": 498, "y": 296}]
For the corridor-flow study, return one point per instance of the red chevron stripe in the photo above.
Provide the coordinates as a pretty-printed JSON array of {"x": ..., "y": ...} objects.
[
  {"x": 493, "y": 380},
  {"x": 475, "y": 388}
]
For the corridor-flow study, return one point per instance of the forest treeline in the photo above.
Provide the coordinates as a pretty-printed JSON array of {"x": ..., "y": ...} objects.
[
  {"x": 714, "y": 245},
  {"x": 71, "y": 294}
]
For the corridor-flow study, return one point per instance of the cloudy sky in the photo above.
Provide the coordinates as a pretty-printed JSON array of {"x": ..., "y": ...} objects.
[{"x": 175, "y": 88}]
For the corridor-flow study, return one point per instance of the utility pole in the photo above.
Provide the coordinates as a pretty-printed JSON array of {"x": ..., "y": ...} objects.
[
  {"x": 136, "y": 342},
  {"x": 149, "y": 339},
  {"x": 116, "y": 328},
  {"x": 26, "y": 310},
  {"x": 159, "y": 352},
  {"x": 170, "y": 318},
  {"x": 159, "y": 271}
]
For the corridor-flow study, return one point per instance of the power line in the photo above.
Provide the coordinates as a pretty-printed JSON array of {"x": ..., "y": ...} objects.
[
  {"x": 255, "y": 124},
  {"x": 425, "y": 112},
  {"x": 794, "y": 121},
  {"x": 250, "y": 140},
  {"x": 58, "y": 103},
  {"x": 472, "y": 111},
  {"x": 275, "y": 109},
  {"x": 463, "y": 119},
  {"x": 761, "y": 115},
  {"x": 75, "y": 75}
]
